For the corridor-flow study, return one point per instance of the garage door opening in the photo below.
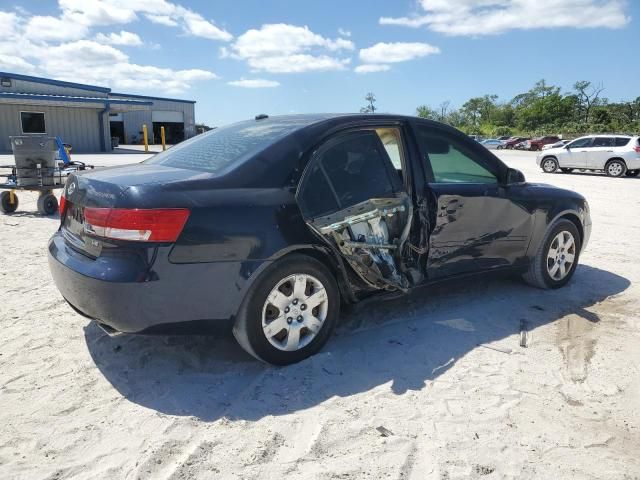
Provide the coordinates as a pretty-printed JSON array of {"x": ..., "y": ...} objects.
[{"x": 173, "y": 131}]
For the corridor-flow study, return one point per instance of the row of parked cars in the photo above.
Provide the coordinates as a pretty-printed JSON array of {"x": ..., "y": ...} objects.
[
  {"x": 616, "y": 155},
  {"x": 521, "y": 143}
]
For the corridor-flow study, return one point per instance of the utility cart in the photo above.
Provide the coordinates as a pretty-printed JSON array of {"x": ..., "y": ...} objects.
[{"x": 36, "y": 169}]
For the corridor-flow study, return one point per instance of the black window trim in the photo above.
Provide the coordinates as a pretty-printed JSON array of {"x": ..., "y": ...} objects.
[
  {"x": 338, "y": 135},
  {"x": 479, "y": 157},
  {"x": 44, "y": 119}
]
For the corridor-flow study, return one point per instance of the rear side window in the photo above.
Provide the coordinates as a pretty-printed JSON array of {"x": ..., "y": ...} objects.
[
  {"x": 353, "y": 169},
  {"x": 220, "y": 149},
  {"x": 621, "y": 141},
  {"x": 603, "y": 142}
]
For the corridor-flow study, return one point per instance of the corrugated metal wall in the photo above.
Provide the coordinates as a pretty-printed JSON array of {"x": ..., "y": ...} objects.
[{"x": 78, "y": 126}]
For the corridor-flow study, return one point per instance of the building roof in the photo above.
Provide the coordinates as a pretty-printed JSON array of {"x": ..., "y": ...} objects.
[
  {"x": 58, "y": 83},
  {"x": 82, "y": 86},
  {"x": 72, "y": 99},
  {"x": 129, "y": 95}
]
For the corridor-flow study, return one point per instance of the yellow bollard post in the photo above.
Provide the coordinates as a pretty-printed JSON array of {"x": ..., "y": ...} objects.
[
  {"x": 146, "y": 138},
  {"x": 164, "y": 145}
]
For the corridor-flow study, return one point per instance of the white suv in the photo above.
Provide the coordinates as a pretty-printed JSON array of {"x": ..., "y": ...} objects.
[{"x": 617, "y": 155}]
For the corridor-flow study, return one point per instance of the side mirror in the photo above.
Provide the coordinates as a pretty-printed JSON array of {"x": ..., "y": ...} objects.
[
  {"x": 568, "y": 147},
  {"x": 515, "y": 176}
]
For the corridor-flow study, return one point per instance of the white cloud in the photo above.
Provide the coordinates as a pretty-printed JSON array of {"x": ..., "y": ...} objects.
[
  {"x": 484, "y": 17},
  {"x": 95, "y": 13},
  {"x": 196, "y": 25},
  {"x": 283, "y": 48},
  {"x": 371, "y": 68},
  {"x": 12, "y": 63},
  {"x": 47, "y": 28},
  {"x": 59, "y": 47},
  {"x": 381, "y": 53},
  {"x": 344, "y": 33},
  {"x": 254, "y": 83},
  {"x": 162, "y": 20},
  {"x": 90, "y": 62},
  {"x": 123, "y": 38}
]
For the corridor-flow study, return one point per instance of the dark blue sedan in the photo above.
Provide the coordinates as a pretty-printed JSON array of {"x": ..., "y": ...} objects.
[{"x": 268, "y": 226}]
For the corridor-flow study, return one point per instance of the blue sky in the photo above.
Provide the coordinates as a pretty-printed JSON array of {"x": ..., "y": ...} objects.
[{"x": 305, "y": 56}]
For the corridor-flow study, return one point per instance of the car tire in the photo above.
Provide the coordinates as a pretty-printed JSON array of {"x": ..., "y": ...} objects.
[
  {"x": 549, "y": 165},
  {"x": 256, "y": 329},
  {"x": 550, "y": 268},
  {"x": 615, "y": 168},
  {"x": 632, "y": 173},
  {"x": 8, "y": 203},
  {"x": 47, "y": 204},
  {"x": 566, "y": 170}
]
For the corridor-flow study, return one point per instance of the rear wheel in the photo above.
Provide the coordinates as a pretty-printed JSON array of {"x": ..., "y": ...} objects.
[
  {"x": 632, "y": 173},
  {"x": 615, "y": 168},
  {"x": 557, "y": 257},
  {"x": 291, "y": 311},
  {"x": 47, "y": 204},
  {"x": 8, "y": 202},
  {"x": 549, "y": 165}
]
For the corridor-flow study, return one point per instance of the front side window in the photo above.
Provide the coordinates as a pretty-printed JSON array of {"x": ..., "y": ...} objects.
[
  {"x": 581, "y": 143},
  {"x": 348, "y": 171},
  {"x": 32, "y": 122},
  {"x": 603, "y": 142},
  {"x": 451, "y": 161}
]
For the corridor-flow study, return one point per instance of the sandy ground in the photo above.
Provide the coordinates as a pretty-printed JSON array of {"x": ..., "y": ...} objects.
[{"x": 442, "y": 371}]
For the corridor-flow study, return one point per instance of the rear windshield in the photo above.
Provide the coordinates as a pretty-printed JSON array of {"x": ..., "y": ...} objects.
[{"x": 218, "y": 150}]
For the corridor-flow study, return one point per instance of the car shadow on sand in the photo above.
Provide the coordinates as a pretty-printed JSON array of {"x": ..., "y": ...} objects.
[{"x": 407, "y": 342}]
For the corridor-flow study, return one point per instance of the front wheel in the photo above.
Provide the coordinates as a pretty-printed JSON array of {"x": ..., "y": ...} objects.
[
  {"x": 291, "y": 311},
  {"x": 615, "y": 168},
  {"x": 549, "y": 165},
  {"x": 556, "y": 260}
]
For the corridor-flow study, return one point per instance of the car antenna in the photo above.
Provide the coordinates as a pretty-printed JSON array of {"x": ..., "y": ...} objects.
[{"x": 262, "y": 116}]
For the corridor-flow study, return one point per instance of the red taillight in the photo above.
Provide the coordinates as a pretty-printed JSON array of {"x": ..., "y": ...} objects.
[
  {"x": 138, "y": 225},
  {"x": 62, "y": 206},
  {"x": 637, "y": 149}
]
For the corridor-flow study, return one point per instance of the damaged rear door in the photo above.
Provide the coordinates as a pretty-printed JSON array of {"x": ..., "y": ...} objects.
[
  {"x": 476, "y": 224},
  {"x": 352, "y": 196}
]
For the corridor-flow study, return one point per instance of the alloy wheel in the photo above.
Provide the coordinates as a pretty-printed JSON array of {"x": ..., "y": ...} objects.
[
  {"x": 549, "y": 165},
  {"x": 561, "y": 255},
  {"x": 615, "y": 169},
  {"x": 294, "y": 312}
]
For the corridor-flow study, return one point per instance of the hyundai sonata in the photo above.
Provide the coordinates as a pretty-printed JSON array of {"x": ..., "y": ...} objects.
[{"x": 270, "y": 225}]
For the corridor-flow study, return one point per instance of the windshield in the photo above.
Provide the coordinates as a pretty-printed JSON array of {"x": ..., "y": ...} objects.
[{"x": 218, "y": 150}]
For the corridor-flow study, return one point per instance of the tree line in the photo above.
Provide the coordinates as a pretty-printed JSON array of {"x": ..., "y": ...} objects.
[{"x": 544, "y": 109}]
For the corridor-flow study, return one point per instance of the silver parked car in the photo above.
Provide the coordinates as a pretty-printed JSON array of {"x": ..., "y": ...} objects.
[{"x": 616, "y": 155}]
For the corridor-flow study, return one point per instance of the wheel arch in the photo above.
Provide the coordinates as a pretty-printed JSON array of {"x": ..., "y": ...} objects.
[
  {"x": 620, "y": 159},
  {"x": 544, "y": 226}
]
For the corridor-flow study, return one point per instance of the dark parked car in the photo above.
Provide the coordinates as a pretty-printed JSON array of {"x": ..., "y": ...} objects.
[
  {"x": 272, "y": 224},
  {"x": 513, "y": 141},
  {"x": 539, "y": 142}
]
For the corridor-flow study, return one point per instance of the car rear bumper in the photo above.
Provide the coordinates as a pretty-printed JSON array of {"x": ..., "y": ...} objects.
[{"x": 129, "y": 296}]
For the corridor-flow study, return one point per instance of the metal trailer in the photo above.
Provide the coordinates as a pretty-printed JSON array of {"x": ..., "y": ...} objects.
[{"x": 40, "y": 181}]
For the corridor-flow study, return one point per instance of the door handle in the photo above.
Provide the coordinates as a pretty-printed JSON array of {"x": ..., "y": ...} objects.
[{"x": 609, "y": 151}]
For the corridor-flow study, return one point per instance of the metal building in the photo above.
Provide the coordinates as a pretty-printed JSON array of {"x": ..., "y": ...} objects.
[{"x": 87, "y": 116}]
